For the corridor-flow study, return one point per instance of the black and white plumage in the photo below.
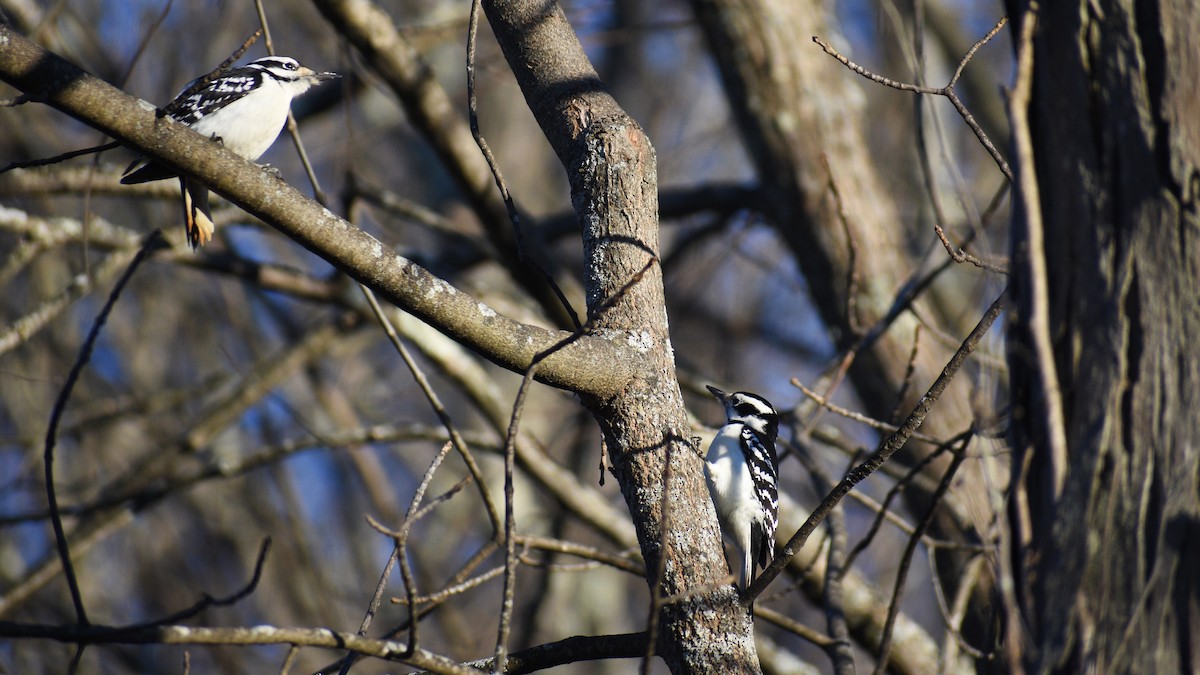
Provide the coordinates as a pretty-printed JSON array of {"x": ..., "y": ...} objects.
[
  {"x": 743, "y": 476},
  {"x": 244, "y": 108}
]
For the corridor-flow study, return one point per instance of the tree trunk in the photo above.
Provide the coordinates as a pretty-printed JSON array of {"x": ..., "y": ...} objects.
[
  {"x": 1106, "y": 512},
  {"x": 702, "y": 627}
]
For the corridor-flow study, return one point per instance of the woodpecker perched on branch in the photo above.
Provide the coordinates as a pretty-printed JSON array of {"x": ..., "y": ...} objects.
[{"x": 244, "y": 108}]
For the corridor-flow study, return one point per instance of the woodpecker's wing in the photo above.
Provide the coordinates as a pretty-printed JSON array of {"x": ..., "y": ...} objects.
[
  {"x": 762, "y": 548},
  {"x": 192, "y": 105},
  {"x": 761, "y": 460}
]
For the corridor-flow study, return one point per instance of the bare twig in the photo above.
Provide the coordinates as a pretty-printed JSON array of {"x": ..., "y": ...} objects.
[
  {"x": 839, "y": 650},
  {"x": 568, "y": 651},
  {"x": 389, "y": 650},
  {"x": 909, "y": 371},
  {"x": 510, "y": 542},
  {"x": 292, "y": 653},
  {"x": 501, "y": 184},
  {"x": 885, "y": 642},
  {"x": 656, "y": 599},
  {"x": 207, "y": 600},
  {"x": 953, "y": 616},
  {"x": 411, "y": 211},
  {"x": 852, "y": 319},
  {"x": 510, "y": 443},
  {"x": 59, "y": 158},
  {"x": 915, "y": 470},
  {"x": 400, "y": 552},
  {"x": 451, "y": 590},
  {"x": 857, "y": 416},
  {"x": 60, "y": 406},
  {"x": 957, "y": 253},
  {"x": 795, "y": 627},
  {"x": 947, "y": 90},
  {"x": 886, "y": 450},
  {"x": 440, "y": 410},
  {"x": 621, "y": 562}
]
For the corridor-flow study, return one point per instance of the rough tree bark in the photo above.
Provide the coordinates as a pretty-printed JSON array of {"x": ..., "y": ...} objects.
[
  {"x": 1107, "y": 508},
  {"x": 614, "y": 189}
]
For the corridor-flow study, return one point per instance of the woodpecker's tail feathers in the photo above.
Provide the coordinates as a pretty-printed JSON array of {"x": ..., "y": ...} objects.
[
  {"x": 197, "y": 216},
  {"x": 143, "y": 171}
]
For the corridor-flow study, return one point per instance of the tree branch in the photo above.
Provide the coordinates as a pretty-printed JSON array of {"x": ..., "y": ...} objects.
[
  {"x": 591, "y": 365},
  {"x": 389, "y": 650}
]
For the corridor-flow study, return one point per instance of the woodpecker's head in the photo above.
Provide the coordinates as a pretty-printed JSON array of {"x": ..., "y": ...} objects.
[
  {"x": 288, "y": 72},
  {"x": 752, "y": 410}
]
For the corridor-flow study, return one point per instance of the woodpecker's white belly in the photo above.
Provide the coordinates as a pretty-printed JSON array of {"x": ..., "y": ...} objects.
[
  {"x": 249, "y": 125},
  {"x": 731, "y": 485}
]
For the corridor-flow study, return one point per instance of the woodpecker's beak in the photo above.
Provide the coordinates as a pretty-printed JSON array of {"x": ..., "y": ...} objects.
[
  {"x": 716, "y": 392},
  {"x": 310, "y": 74}
]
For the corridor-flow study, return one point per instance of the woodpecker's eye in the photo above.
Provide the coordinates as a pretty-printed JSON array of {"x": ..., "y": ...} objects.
[{"x": 291, "y": 65}]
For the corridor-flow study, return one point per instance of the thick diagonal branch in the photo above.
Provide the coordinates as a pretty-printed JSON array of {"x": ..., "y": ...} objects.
[{"x": 592, "y": 365}]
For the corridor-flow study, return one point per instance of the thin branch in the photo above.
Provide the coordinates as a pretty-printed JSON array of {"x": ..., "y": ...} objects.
[
  {"x": 852, "y": 278},
  {"x": 885, "y": 642},
  {"x": 451, "y": 590},
  {"x": 293, "y": 130},
  {"x": 501, "y": 184},
  {"x": 60, "y": 406},
  {"x": 569, "y": 651},
  {"x": 621, "y": 562},
  {"x": 510, "y": 543},
  {"x": 947, "y": 91},
  {"x": 793, "y": 626},
  {"x": 389, "y": 650},
  {"x": 953, "y": 617},
  {"x": 510, "y": 442},
  {"x": 840, "y": 651},
  {"x": 209, "y": 601},
  {"x": 656, "y": 599},
  {"x": 33, "y": 163},
  {"x": 400, "y": 552},
  {"x": 409, "y": 210},
  {"x": 435, "y": 402},
  {"x": 886, "y": 450},
  {"x": 917, "y": 469},
  {"x": 1036, "y": 300},
  {"x": 909, "y": 372},
  {"x": 292, "y": 653},
  {"x": 857, "y": 416}
]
